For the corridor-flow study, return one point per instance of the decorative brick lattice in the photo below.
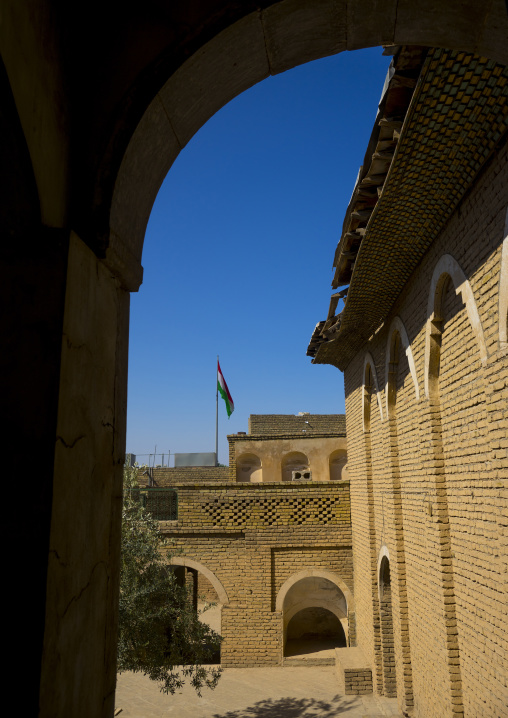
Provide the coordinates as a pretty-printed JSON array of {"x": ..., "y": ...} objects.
[{"x": 268, "y": 512}]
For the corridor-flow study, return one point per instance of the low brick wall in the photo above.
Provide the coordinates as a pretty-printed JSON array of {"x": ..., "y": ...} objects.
[{"x": 353, "y": 672}]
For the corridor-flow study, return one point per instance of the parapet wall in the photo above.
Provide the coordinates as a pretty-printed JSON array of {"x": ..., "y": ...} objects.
[
  {"x": 270, "y": 424},
  {"x": 169, "y": 476}
]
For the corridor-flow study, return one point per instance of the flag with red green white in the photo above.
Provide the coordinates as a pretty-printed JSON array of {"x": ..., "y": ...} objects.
[{"x": 223, "y": 390}]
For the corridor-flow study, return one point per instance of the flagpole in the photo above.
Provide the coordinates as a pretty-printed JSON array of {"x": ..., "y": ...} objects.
[{"x": 217, "y": 414}]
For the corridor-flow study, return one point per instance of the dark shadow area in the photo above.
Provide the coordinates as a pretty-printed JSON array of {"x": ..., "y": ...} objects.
[
  {"x": 310, "y": 643},
  {"x": 314, "y": 630},
  {"x": 294, "y": 708}
]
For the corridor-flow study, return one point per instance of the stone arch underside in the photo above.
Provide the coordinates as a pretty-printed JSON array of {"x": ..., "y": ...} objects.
[
  {"x": 318, "y": 573},
  {"x": 316, "y": 611},
  {"x": 290, "y": 32},
  {"x": 212, "y": 578},
  {"x": 263, "y": 43}
]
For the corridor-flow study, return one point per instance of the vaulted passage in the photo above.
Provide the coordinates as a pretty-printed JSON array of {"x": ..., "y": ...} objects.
[
  {"x": 313, "y": 630},
  {"x": 314, "y": 619}
]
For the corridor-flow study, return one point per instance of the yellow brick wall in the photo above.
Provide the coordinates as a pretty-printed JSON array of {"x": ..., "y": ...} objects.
[
  {"x": 429, "y": 484},
  {"x": 255, "y": 537}
]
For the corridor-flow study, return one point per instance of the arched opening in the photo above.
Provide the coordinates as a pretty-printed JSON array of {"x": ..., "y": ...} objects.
[
  {"x": 205, "y": 591},
  {"x": 270, "y": 40},
  {"x": 369, "y": 389},
  {"x": 248, "y": 469},
  {"x": 313, "y": 630},
  {"x": 338, "y": 465},
  {"x": 451, "y": 367},
  {"x": 295, "y": 467},
  {"x": 315, "y": 615},
  {"x": 387, "y": 640},
  {"x": 401, "y": 391}
]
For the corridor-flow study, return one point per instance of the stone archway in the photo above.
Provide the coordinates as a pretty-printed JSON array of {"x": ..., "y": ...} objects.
[
  {"x": 319, "y": 607},
  {"x": 337, "y": 464},
  {"x": 211, "y": 577},
  {"x": 108, "y": 201},
  {"x": 264, "y": 43},
  {"x": 209, "y": 608}
]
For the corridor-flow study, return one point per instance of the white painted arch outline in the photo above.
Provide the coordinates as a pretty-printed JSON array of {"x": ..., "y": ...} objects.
[
  {"x": 191, "y": 563},
  {"x": 503, "y": 290},
  {"x": 369, "y": 361},
  {"x": 448, "y": 265},
  {"x": 398, "y": 326},
  {"x": 318, "y": 573}
]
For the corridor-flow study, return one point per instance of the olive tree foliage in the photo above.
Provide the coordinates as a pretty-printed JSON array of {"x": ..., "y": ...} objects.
[{"x": 159, "y": 631}]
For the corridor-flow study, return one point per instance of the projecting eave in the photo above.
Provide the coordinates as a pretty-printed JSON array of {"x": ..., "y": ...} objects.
[{"x": 446, "y": 138}]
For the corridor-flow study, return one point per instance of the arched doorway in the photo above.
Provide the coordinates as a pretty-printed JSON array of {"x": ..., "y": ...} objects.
[
  {"x": 206, "y": 592},
  {"x": 314, "y": 607},
  {"x": 313, "y": 630},
  {"x": 386, "y": 620}
]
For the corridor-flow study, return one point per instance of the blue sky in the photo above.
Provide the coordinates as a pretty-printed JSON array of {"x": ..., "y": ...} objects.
[{"x": 238, "y": 257}]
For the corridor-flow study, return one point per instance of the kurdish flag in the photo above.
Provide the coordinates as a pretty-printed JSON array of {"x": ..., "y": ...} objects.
[{"x": 222, "y": 388}]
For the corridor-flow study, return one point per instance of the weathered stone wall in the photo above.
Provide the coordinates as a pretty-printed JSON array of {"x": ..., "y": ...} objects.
[
  {"x": 273, "y": 453},
  {"x": 270, "y": 424},
  {"x": 169, "y": 475},
  {"x": 253, "y": 538},
  {"x": 428, "y": 468}
]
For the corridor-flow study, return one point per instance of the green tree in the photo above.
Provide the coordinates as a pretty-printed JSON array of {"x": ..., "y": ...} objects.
[{"x": 159, "y": 631}]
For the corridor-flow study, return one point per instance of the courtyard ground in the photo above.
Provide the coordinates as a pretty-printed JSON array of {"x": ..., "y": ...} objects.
[{"x": 288, "y": 692}]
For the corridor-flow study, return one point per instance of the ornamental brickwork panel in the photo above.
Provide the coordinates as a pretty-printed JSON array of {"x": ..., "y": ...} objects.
[{"x": 280, "y": 511}]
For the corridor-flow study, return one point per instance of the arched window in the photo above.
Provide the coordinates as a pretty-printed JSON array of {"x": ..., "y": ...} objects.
[
  {"x": 248, "y": 469},
  {"x": 338, "y": 465},
  {"x": 295, "y": 467}
]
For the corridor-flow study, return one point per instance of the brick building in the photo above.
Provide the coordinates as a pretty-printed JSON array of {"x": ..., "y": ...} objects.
[
  {"x": 94, "y": 113},
  {"x": 422, "y": 341},
  {"x": 269, "y": 537}
]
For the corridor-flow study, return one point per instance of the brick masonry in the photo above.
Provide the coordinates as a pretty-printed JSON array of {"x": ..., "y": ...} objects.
[
  {"x": 428, "y": 477},
  {"x": 253, "y": 538},
  {"x": 291, "y": 424}
]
